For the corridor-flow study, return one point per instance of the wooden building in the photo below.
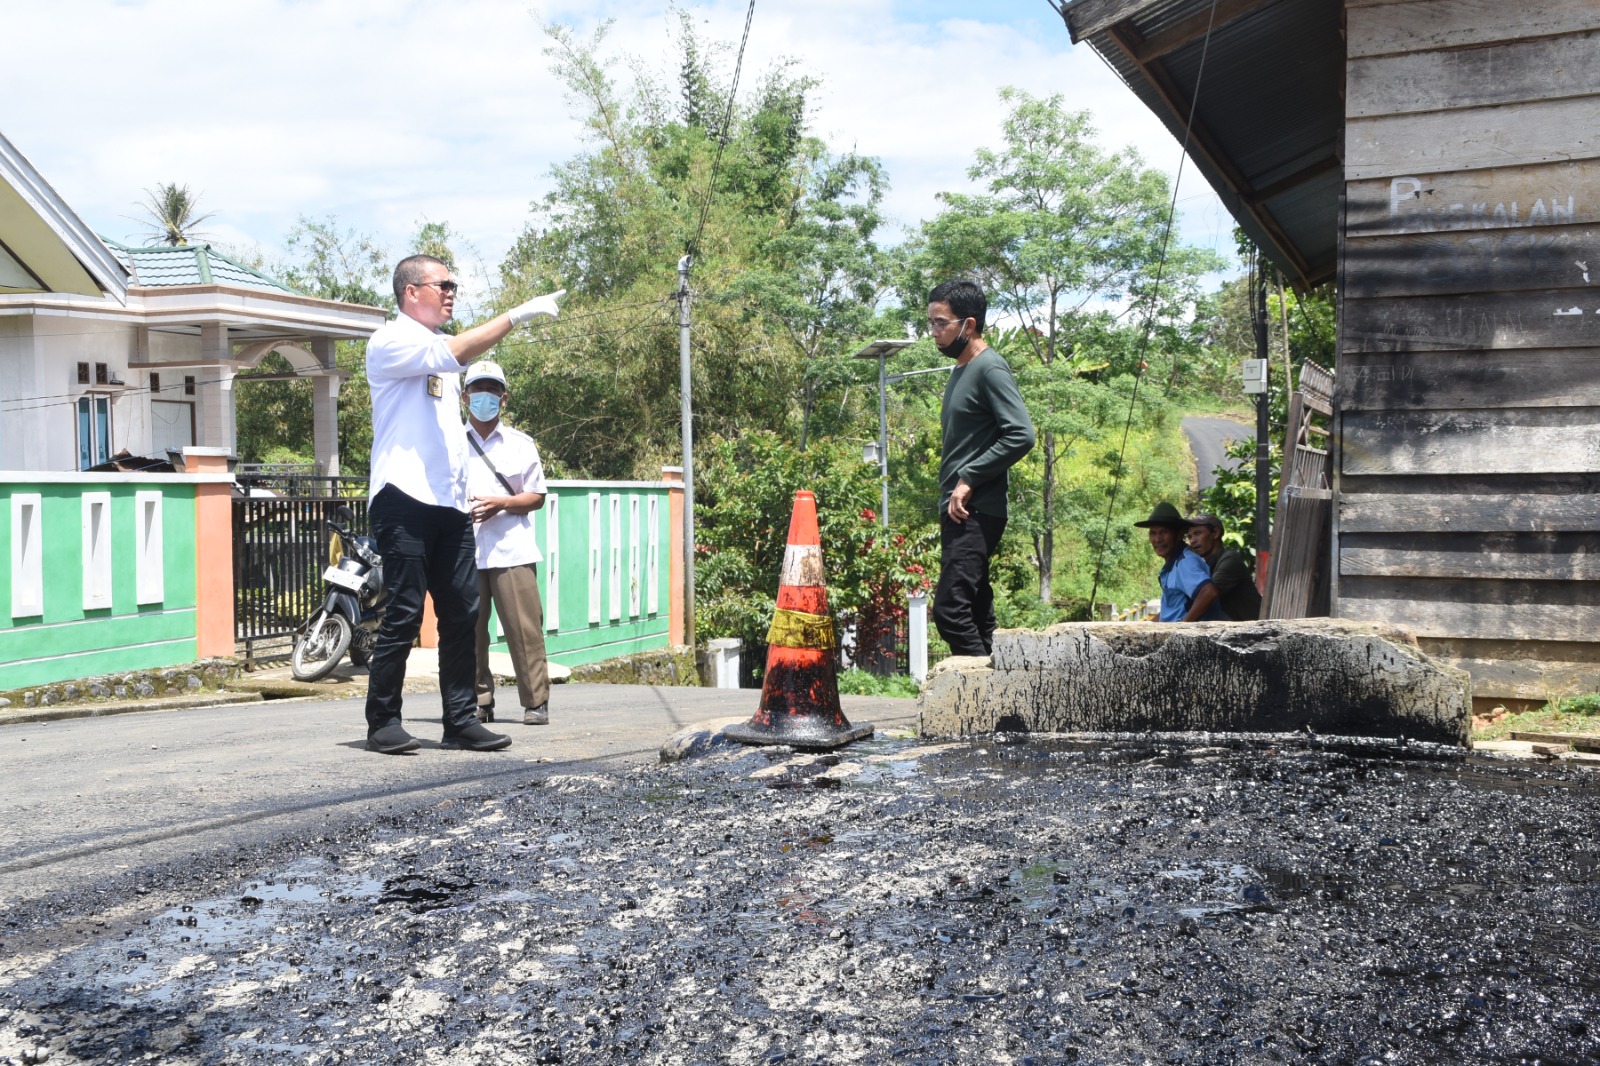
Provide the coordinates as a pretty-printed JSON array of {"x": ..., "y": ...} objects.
[{"x": 1441, "y": 160}]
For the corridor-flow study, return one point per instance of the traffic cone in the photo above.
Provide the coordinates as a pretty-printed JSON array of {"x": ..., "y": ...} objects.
[{"x": 800, "y": 696}]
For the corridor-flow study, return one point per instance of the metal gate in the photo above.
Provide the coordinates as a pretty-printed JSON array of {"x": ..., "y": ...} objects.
[{"x": 280, "y": 548}]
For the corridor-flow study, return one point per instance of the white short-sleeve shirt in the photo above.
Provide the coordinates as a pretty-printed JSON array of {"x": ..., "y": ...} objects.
[
  {"x": 506, "y": 539},
  {"x": 418, "y": 441}
]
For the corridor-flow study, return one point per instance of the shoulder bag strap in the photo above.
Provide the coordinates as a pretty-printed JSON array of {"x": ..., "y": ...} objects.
[{"x": 472, "y": 440}]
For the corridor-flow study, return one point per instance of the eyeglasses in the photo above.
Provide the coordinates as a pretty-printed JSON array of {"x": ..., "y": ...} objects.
[
  {"x": 446, "y": 287},
  {"x": 939, "y": 325}
]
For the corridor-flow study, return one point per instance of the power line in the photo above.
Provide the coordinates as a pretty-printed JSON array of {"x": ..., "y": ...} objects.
[
  {"x": 1149, "y": 319},
  {"x": 722, "y": 135},
  {"x": 46, "y": 401}
]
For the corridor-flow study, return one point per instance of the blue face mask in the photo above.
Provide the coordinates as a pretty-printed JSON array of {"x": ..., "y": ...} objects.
[{"x": 485, "y": 406}]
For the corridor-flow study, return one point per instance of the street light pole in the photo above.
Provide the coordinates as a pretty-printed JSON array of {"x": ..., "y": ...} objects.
[
  {"x": 883, "y": 434},
  {"x": 881, "y": 350}
]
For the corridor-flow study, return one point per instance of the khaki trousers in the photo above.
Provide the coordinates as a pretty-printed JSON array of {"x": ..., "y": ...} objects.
[{"x": 515, "y": 593}]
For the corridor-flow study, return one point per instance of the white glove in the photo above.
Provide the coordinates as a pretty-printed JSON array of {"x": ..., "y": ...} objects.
[{"x": 539, "y": 305}]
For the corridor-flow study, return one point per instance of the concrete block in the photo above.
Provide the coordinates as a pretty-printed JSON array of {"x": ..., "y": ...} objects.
[
  {"x": 722, "y": 661},
  {"x": 1331, "y": 676}
]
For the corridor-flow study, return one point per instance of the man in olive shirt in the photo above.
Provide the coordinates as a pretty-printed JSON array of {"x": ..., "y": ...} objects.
[
  {"x": 986, "y": 430},
  {"x": 1236, "y": 588}
]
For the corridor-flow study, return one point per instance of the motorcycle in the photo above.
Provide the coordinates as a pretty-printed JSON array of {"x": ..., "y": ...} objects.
[{"x": 349, "y": 617}]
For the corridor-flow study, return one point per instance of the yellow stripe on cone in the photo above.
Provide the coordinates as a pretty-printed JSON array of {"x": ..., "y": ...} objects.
[{"x": 796, "y": 629}]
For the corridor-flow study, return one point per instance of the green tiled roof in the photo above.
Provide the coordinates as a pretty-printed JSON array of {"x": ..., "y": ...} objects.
[{"x": 188, "y": 264}]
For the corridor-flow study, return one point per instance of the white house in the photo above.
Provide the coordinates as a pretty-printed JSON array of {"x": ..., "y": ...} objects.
[{"x": 106, "y": 348}]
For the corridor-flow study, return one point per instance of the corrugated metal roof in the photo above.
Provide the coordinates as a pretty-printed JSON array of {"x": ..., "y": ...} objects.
[
  {"x": 189, "y": 264},
  {"x": 1269, "y": 119}
]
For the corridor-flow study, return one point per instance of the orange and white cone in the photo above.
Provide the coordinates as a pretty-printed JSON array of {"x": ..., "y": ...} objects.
[{"x": 800, "y": 696}]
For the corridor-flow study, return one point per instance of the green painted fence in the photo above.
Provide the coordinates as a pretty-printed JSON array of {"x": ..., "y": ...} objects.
[{"x": 97, "y": 575}]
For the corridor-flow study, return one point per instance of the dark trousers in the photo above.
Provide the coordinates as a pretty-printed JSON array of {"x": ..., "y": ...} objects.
[
  {"x": 425, "y": 549},
  {"x": 963, "y": 603}
]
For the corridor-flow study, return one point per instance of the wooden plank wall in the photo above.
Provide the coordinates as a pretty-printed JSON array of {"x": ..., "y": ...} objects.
[{"x": 1469, "y": 369}]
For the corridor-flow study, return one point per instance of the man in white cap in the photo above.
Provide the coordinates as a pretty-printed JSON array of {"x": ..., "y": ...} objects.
[
  {"x": 418, "y": 511},
  {"x": 505, "y": 481}
]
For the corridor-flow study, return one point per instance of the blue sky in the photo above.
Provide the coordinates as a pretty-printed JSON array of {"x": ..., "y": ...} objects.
[{"x": 386, "y": 113}]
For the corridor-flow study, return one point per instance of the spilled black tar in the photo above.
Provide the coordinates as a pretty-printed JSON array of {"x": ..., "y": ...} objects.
[{"x": 992, "y": 902}]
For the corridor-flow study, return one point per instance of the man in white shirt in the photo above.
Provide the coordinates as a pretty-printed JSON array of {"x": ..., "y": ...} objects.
[
  {"x": 505, "y": 479},
  {"x": 419, "y": 510}
]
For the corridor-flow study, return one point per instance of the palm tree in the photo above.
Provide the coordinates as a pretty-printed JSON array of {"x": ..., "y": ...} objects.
[{"x": 172, "y": 214}]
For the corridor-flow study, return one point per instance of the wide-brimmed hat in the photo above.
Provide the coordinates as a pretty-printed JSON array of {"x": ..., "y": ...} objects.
[
  {"x": 1204, "y": 519},
  {"x": 1164, "y": 515}
]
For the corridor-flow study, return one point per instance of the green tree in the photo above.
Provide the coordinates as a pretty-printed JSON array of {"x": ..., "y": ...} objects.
[
  {"x": 334, "y": 264},
  {"x": 172, "y": 214},
  {"x": 435, "y": 239},
  {"x": 1062, "y": 232},
  {"x": 599, "y": 386},
  {"x": 273, "y": 418},
  {"x": 742, "y": 514},
  {"x": 823, "y": 276}
]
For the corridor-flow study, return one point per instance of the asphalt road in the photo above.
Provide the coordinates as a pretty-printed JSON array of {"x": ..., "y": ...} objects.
[
  {"x": 94, "y": 798},
  {"x": 1208, "y": 439},
  {"x": 1004, "y": 899}
]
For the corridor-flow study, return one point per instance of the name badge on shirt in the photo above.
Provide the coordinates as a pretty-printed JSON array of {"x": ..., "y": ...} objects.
[{"x": 435, "y": 386}]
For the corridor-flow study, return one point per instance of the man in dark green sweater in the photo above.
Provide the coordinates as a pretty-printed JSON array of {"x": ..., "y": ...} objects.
[{"x": 986, "y": 430}]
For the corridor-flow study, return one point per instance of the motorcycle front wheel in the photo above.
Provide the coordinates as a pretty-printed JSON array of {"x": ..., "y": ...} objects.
[{"x": 319, "y": 649}]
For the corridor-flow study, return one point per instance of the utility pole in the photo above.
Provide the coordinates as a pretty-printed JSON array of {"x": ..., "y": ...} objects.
[
  {"x": 686, "y": 386},
  {"x": 1263, "y": 419}
]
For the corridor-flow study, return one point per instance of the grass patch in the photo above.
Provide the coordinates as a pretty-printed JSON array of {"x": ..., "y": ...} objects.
[
  {"x": 1572, "y": 714},
  {"x": 861, "y": 683}
]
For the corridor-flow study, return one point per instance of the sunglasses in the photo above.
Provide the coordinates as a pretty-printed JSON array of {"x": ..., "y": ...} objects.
[{"x": 448, "y": 287}]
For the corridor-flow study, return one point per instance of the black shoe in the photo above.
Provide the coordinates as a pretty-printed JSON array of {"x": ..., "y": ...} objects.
[
  {"x": 392, "y": 739},
  {"x": 486, "y": 714},
  {"x": 473, "y": 737}
]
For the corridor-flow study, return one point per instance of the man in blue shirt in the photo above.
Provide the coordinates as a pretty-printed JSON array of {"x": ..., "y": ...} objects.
[{"x": 1187, "y": 594}]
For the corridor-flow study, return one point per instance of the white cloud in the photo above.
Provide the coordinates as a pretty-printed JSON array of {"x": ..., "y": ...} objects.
[{"x": 385, "y": 113}]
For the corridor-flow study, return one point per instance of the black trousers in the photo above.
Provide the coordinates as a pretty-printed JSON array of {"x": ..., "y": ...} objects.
[
  {"x": 425, "y": 549},
  {"x": 963, "y": 602}
]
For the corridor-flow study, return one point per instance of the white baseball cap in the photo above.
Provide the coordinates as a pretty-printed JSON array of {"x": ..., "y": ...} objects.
[{"x": 484, "y": 370}]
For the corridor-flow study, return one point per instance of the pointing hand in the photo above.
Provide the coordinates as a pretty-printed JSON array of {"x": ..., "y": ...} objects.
[{"x": 540, "y": 305}]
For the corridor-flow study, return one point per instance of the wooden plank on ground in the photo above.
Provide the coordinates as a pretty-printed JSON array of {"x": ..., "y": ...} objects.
[
  {"x": 1418, "y": 27},
  {"x": 1472, "y": 138},
  {"x": 1432, "y": 617},
  {"x": 1589, "y": 742},
  {"x": 1432, "y": 512},
  {"x": 1520, "y": 441},
  {"x": 1492, "y": 566},
  {"x": 1543, "y": 318},
  {"x": 1514, "y": 72},
  {"x": 1424, "y": 264},
  {"x": 1506, "y": 197},
  {"x": 1443, "y": 381}
]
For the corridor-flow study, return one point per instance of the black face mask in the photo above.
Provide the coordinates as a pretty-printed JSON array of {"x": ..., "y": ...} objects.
[{"x": 954, "y": 349}]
